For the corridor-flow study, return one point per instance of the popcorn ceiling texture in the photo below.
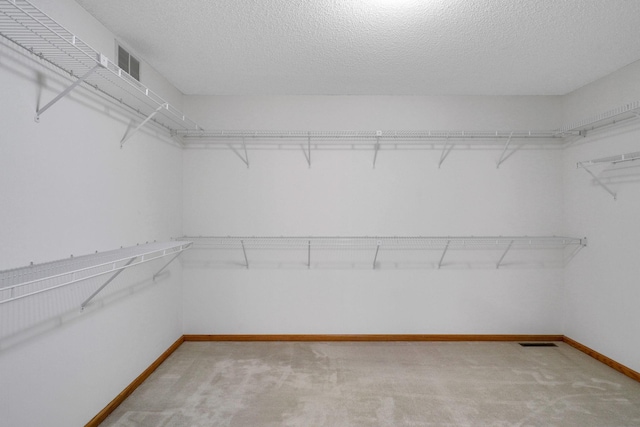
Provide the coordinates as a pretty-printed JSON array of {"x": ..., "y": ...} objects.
[{"x": 377, "y": 47}]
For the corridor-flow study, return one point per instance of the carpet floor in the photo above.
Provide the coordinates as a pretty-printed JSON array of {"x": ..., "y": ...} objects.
[{"x": 380, "y": 384}]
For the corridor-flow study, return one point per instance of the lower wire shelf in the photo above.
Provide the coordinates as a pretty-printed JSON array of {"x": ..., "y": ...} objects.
[
  {"x": 374, "y": 251},
  {"x": 21, "y": 283}
]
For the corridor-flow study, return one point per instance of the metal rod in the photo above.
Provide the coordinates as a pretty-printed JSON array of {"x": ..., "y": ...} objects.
[
  {"x": 309, "y": 150},
  {"x": 375, "y": 258},
  {"x": 309, "y": 255},
  {"x": 376, "y": 147},
  {"x": 244, "y": 251},
  {"x": 66, "y": 91},
  {"x": 444, "y": 153},
  {"x": 144, "y": 122},
  {"x": 602, "y": 184},
  {"x": 166, "y": 265},
  {"x": 443, "y": 254},
  {"x": 246, "y": 155},
  {"x": 501, "y": 159},
  {"x": 97, "y": 291},
  {"x": 504, "y": 254}
]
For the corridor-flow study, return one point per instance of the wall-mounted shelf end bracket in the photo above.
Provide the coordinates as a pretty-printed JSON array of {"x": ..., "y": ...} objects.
[{"x": 102, "y": 62}]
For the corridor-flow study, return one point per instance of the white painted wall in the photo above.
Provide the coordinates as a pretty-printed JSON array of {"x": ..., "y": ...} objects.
[
  {"x": 601, "y": 285},
  {"x": 68, "y": 188},
  {"x": 341, "y": 194}
]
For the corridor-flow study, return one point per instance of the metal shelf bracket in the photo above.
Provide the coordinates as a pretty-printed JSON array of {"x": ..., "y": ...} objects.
[
  {"x": 503, "y": 255},
  {"x": 601, "y": 184},
  {"x": 102, "y": 63},
  {"x": 444, "y": 252},
  {"x": 144, "y": 122},
  {"x": 244, "y": 251},
  {"x": 97, "y": 291},
  {"x": 445, "y": 151},
  {"x": 375, "y": 258},
  {"x": 504, "y": 151}
]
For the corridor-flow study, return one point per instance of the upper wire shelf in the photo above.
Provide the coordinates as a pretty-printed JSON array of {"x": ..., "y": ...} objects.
[
  {"x": 372, "y": 249},
  {"x": 608, "y": 118},
  {"x": 24, "y": 282},
  {"x": 27, "y": 26}
]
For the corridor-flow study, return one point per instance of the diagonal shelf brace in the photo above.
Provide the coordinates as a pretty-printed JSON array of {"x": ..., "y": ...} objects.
[
  {"x": 97, "y": 291},
  {"x": 170, "y": 261},
  {"x": 375, "y": 258},
  {"x": 144, "y": 122},
  {"x": 445, "y": 152},
  {"x": 244, "y": 251},
  {"x": 602, "y": 184},
  {"x": 246, "y": 155},
  {"x": 504, "y": 151},
  {"x": 443, "y": 254},
  {"x": 504, "y": 254},
  {"x": 376, "y": 148},
  {"x": 101, "y": 64}
]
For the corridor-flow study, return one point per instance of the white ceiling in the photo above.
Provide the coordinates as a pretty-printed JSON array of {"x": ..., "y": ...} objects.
[{"x": 394, "y": 47}]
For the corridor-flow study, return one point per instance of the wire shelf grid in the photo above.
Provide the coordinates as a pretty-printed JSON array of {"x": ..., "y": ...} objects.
[
  {"x": 33, "y": 30},
  {"x": 32, "y": 280}
]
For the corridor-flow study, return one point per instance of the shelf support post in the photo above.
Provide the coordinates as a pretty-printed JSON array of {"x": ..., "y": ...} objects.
[
  {"x": 144, "y": 122},
  {"x": 244, "y": 251},
  {"x": 102, "y": 62},
  {"x": 504, "y": 151},
  {"x": 309, "y": 255},
  {"x": 602, "y": 184},
  {"x": 504, "y": 254},
  {"x": 97, "y": 291},
  {"x": 443, "y": 254},
  {"x": 375, "y": 258}
]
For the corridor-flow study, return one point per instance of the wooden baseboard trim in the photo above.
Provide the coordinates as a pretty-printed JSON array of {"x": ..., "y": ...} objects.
[
  {"x": 602, "y": 358},
  {"x": 392, "y": 337},
  {"x": 102, "y": 415}
]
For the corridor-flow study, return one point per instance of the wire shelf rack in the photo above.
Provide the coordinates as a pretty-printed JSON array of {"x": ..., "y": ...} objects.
[
  {"x": 27, "y": 26},
  {"x": 314, "y": 250},
  {"x": 608, "y": 118},
  {"x": 21, "y": 283}
]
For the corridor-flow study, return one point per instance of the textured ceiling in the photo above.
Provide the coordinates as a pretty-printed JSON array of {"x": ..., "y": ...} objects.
[{"x": 395, "y": 47}]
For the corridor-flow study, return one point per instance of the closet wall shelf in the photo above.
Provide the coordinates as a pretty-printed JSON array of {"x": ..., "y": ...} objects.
[
  {"x": 24, "y": 282},
  {"x": 27, "y": 26},
  {"x": 622, "y": 114},
  {"x": 607, "y": 161},
  {"x": 375, "y": 246}
]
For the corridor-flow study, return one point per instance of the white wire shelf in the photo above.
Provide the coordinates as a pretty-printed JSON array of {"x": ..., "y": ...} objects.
[
  {"x": 608, "y": 118},
  {"x": 27, "y": 26},
  {"x": 607, "y": 161},
  {"x": 21, "y": 283},
  {"x": 371, "y": 250}
]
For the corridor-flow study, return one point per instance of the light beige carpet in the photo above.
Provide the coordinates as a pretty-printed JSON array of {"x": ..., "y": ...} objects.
[{"x": 380, "y": 384}]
